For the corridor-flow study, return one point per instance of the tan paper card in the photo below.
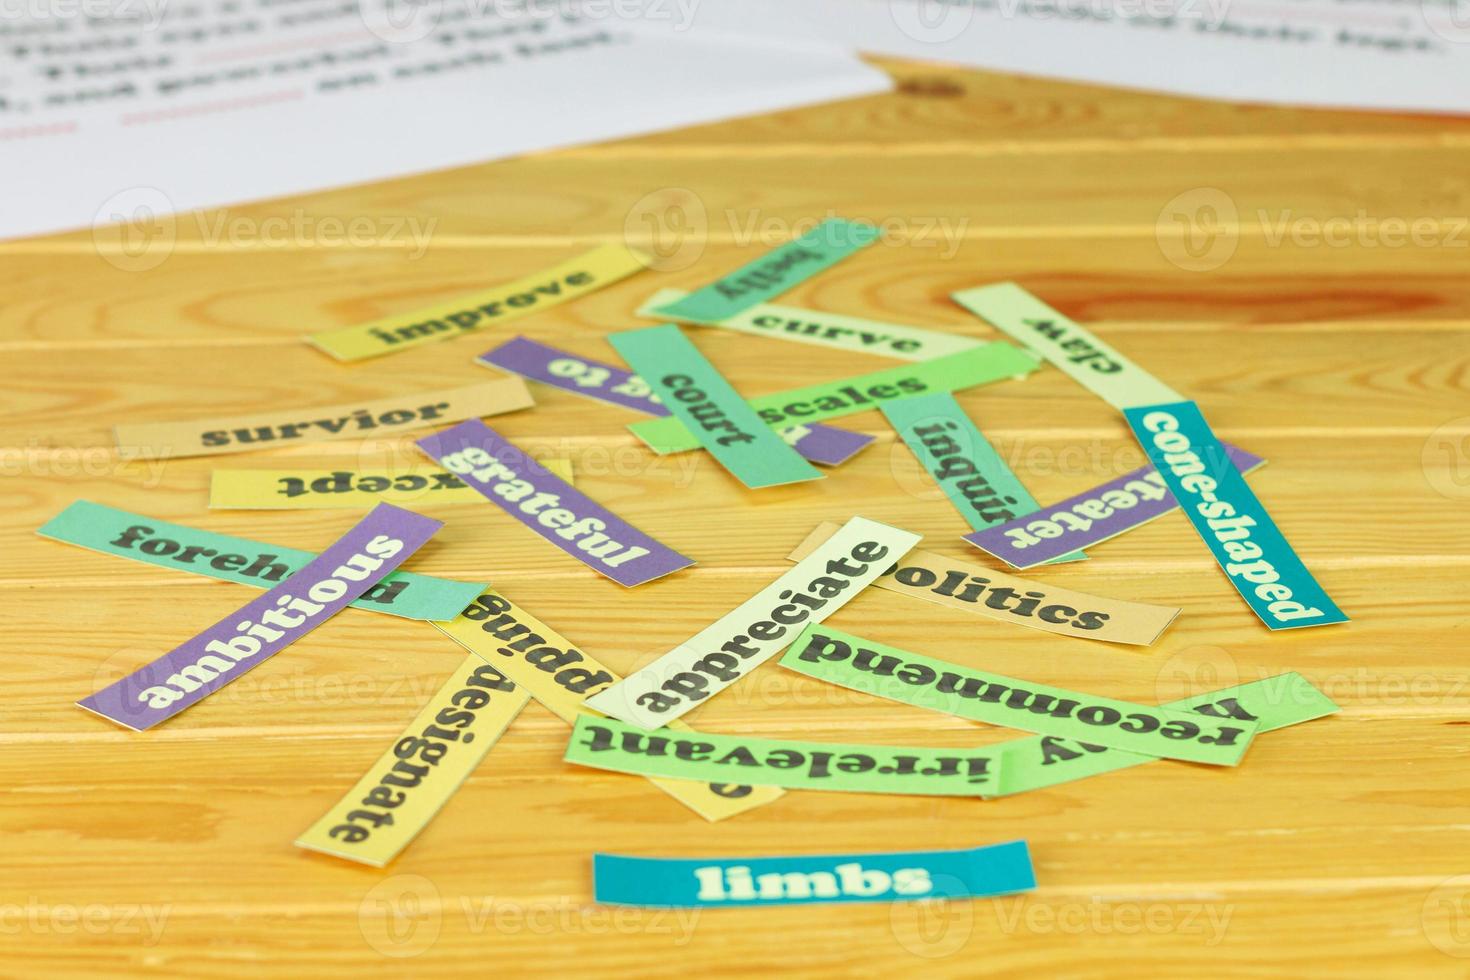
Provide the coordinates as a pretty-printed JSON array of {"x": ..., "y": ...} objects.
[
  {"x": 423, "y": 767},
  {"x": 986, "y": 592},
  {"x": 311, "y": 489},
  {"x": 358, "y": 420},
  {"x": 546, "y": 664}
]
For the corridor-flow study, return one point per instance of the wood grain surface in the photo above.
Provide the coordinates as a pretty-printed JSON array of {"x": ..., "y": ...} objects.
[{"x": 1325, "y": 324}]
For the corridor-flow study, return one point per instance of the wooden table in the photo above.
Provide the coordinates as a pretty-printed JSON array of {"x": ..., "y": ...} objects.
[{"x": 1338, "y": 849}]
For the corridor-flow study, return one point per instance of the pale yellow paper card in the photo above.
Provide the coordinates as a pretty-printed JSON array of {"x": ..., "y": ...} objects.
[
  {"x": 986, "y": 592},
  {"x": 320, "y": 489},
  {"x": 560, "y": 676},
  {"x": 376, "y": 419},
  {"x": 575, "y": 277},
  {"x": 403, "y": 790}
]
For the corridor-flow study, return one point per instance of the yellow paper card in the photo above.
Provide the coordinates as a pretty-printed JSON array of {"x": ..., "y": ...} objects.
[
  {"x": 421, "y": 769},
  {"x": 304, "y": 489},
  {"x": 575, "y": 277},
  {"x": 545, "y": 664}
]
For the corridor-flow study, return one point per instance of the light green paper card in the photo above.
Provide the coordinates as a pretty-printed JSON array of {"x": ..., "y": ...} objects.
[
  {"x": 605, "y": 743},
  {"x": 1073, "y": 348},
  {"x": 831, "y": 330},
  {"x": 261, "y": 566},
  {"x": 850, "y": 661},
  {"x": 1274, "y": 702},
  {"x": 967, "y": 468},
  {"x": 775, "y": 272},
  {"x": 848, "y": 396},
  {"x": 689, "y": 386}
]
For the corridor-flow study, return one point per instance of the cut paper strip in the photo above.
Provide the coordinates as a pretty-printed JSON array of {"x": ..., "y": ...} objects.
[
  {"x": 614, "y": 386},
  {"x": 605, "y": 743},
  {"x": 560, "y": 676},
  {"x": 985, "y": 592},
  {"x": 376, "y": 419},
  {"x": 965, "y": 466},
  {"x": 848, "y": 396},
  {"x": 757, "y": 629},
  {"x": 1073, "y": 348},
  {"x": 266, "y": 625},
  {"x": 512, "y": 480},
  {"x": 687, "y": 384},
  {"x": 305, "y": 489},
  {"x": 590, "y": 271},
  {"x": 1271, "y": 703},
  {"x": 811, "y": 879},
  {"x": 413, "y": 779},
  {"x": 777, "y": 271},
  {"x": 127, "y": 535},
  {"x": 821, "y": 329},
  {"x": 1230, "y": 518},
  {"x": 1089, "y": 518},
  {"x": 925, "y": 682}
]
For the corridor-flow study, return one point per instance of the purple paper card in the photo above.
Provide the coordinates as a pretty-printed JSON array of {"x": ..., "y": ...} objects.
[
  {"x": 327, "y": 584},
  {"x": 1090, "y": 517},
  {"x": 511, "y": 480},
  {"x": 582, "y": 376}
]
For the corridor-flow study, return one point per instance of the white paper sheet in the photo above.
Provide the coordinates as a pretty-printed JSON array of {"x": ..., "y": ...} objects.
[
  {"x": 171, "y": 105},
  {"x": 1411, "y": 55}
]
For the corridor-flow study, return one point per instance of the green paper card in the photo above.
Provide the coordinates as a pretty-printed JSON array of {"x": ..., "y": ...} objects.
[
  {"x": 689, "y": 386},
  {"x": 775, "y": 272},
  {"x": 967, "y": 468},
  {"x": 1272, "y": 703},
  {"x": 604, "y": 743},
  {"x": 261, "y": 566},
  {"x": 848, "y": 396},
  {"x": 1073, "y": 348},
  {"x": 831, "y": 655}
]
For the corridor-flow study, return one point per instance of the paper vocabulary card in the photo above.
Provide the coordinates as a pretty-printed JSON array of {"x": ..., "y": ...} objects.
[
  {"x": 413, "y": 779},
  {"x": 1073, "y": 348},
  {"x": 612, "y": 385},
  {"x": 308, "y": 489},
  {"x": 824, "y": 329},
  {"x": 756, "y": 630},
  {"x": 875, "y": 668},
  {"x": 848, "y": 396},
  {"x": 605, "y": 743},
  {"x": 961, "y": 585},
  {"x": 967, "y": 468},
  {"x": 810, "y": 879},
  {"x": 777, "y": 271},
  {"x": 510, "y": 479},
  {"x": 118, "y": 532},
  {"x": 1230, "y": 518},
  {"x": 265, "y": 626},
  {"x": 602, "y": 266},
  {"x": 560, "y": 676},
  {"x": 1271, "y": 703},
  {"x": 688, "y": 385},
  {"x": 357, "y": 420},
  {"x": 1089, "y": 518}
]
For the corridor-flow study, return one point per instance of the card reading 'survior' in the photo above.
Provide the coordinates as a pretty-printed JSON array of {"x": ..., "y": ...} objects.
[
  {"x": 265, "y": 626},
  {"x": 512, "y": 480}
]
